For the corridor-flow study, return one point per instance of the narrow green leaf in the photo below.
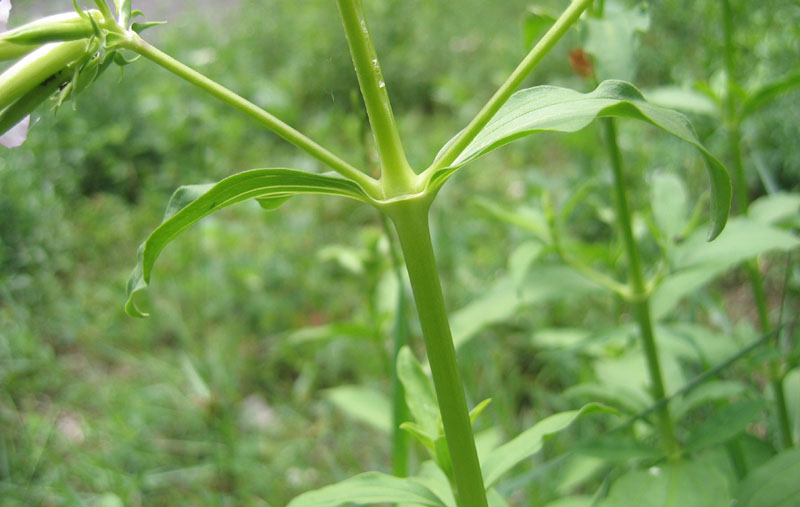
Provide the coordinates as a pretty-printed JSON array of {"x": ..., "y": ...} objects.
[
  {"x": 191, "y": 203},
  {"x": 478, "y": 410},
  {"x": 363, "y": 404},
  {"x": 769, "y": 91},
  {"x": 549, "y": 108},
  {"x": 530, "y": 441},
  {"x": 369, "y": 488},
  {"x": 673, "y": 485},
  {"x": 698, "y": 261},
  {"x": 773, "y": 484},
  {"x": 420, "y": 394}
]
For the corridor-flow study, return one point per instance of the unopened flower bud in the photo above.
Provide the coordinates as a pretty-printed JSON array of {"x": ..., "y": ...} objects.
[
  {"x": 58, "y": 28},
  {"x": 39, "y": 66}
]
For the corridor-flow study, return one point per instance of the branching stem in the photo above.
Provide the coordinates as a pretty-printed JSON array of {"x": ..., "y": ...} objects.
[
  {"x": 501, "y": 96},
  {"x": 243, "y": 105}
]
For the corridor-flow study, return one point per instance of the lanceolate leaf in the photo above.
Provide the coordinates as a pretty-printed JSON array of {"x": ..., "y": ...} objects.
[
  {"x": 549, "y": 108},
  {"x": 530, "y": 441},
  {"x": 368, "y": 489},
  {"x": 770, "y": 91},
  {"x": 191, "y": 203}
]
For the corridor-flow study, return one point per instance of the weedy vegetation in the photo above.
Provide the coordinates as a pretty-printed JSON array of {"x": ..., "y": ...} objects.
[{"x": 614, "y": 361}]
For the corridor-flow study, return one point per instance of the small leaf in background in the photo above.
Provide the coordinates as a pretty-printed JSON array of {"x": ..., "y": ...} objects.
[
  {"x": 775, "y": 208},
  {"x": 612, "y": 448},
  {"x": 773, "y": 484},
  {"x": 536, "y": 23},
  {"x": 363, "y": 404},
  {"x": 682, "y": 484},
  {"x": 706, "y": 393},
  {"x": 698, "y": 261},
  {"x": 682, "y": 99},
  {"x": 670, "y": 204},
  {"x": 723, "y": 425},
  {"x": 530, "y": 441},
  {"x": 369, "y": 488},
  {"x": 420, "y": 394},
  {"x": 612, "y": 42}
]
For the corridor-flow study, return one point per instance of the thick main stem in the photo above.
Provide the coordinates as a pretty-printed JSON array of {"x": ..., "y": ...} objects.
[
  {"x": 640, "y": 297},
  {"x": 245, "y": 106},
  {"x": 410, "y": 218},
  {"x": 395, "y": 171}
]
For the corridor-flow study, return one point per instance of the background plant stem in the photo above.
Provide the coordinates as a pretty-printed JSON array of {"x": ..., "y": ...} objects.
[
  {"x": 732, "y": 124},
  {"x": 410, "y": 218},
  {"x": 400, "y": 339},
  {"x": 640, "y": 298}
]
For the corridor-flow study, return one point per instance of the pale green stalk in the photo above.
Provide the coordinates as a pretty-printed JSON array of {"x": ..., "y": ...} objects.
[
  {"x": 501, "y": 96},
  {"x": 396, "y": 175},
  {"x": 137, "y": 44}
]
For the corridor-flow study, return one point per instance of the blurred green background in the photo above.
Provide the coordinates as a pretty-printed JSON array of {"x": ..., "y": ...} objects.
[{"x": 215, "y": 400}]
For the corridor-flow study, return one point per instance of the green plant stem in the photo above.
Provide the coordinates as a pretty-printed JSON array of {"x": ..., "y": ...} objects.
[
  {"x": 501, "y": 96},
  {"x": 400, "y": 339},
  {"x": 243, "y": 105},
  {"x": 410, "y": 217},
  {"x": 396, "y": 174},
  {"x": 732, "y": 123},
  {"x": 640, "y": 301}
]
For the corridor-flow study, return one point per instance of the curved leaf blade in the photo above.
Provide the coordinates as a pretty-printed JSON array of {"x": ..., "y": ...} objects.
[
  {"x": 550, "y": 108},
  {"x": 531, "y": 441},
  {"x": 369, "y": 488},
  {"x": 192, "y": 202}
]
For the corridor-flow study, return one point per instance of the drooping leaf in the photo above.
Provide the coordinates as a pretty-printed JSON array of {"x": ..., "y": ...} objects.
[
  {"x": 550, "y": 108},
  {"x": 369, "y": 488},
  {"x": 773, "y": 484},
  {"x": 770, "y": 91},
  {"x": 530, "y": 441},
  {"x": 363, "y": 404},
  {"x": 673, "y": 485},
  {"x": 191, "y": 203}
]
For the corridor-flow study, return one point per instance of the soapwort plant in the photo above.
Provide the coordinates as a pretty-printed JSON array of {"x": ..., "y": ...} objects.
[{"x": 60, "y": 56}]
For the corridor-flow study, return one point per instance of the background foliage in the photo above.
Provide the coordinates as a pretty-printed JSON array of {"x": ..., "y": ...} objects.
[{"x": 218, "y": 399}]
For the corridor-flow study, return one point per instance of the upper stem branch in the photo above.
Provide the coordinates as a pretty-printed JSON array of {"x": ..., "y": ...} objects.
[
  {"x": 545, "y": 44},
  {"x": 287, "y": 132},
  {"x": 397, "y": 174}
]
